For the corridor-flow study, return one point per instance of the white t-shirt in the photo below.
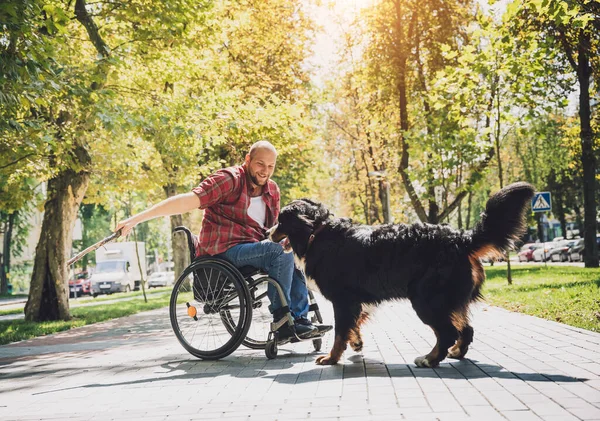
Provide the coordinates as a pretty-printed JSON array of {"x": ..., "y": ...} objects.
[{"x": 258, "y": 210}]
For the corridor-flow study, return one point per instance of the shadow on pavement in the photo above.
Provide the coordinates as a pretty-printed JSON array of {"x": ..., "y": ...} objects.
[{"x": 250, "y": 366}]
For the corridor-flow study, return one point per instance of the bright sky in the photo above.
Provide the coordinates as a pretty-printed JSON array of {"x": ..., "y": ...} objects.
[
  {"x": 333, "y": 16},
  {"x": 330, "y": 16}
]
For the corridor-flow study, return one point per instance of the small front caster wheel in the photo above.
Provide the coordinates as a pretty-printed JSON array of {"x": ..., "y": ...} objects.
[
  {"x": 317, "y": 344},
  {"x": 271, "y": 350}
]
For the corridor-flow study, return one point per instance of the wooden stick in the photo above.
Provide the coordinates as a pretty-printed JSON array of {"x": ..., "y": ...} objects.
[{"x": 99, "y": 244}]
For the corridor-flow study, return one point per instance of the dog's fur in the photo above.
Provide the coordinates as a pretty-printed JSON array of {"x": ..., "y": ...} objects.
[{"x": 436, "y": 267}]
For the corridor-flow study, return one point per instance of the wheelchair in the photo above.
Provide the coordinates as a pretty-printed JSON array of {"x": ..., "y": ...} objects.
[{"x": 215, "y": 307}]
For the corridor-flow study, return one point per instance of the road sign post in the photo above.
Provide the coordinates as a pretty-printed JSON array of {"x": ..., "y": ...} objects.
[{"x": 542, "y": 202}]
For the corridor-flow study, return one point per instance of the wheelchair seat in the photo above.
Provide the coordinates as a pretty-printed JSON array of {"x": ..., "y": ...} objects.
[
  {"x": 248, "y": 271},
  {"x": 192, "y": 240}
]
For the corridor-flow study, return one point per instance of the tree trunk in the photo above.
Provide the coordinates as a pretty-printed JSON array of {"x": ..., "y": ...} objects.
[
  {"x": 373, "y": 207},
  {"x": 48, "y": 294},
  {"x": 578, "y": 218},
  {"x": 588, "y": 160},
  {"x": 433, "y": 215},
  {"x": 459, "y": 207},
  {"x": 469, "y": 206},
  {"x": 5, "y": 261},
  {"x": 178, "y": 241},
  {"x": 401, "y": 58},
  {"x": 560, "y": 212},
  {"x": 385, "y": 200},
  {"x": 501, "y": 176}
]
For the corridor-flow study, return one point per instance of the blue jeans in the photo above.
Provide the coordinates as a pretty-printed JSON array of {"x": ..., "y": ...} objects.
[{"x": 270, "y": 257}]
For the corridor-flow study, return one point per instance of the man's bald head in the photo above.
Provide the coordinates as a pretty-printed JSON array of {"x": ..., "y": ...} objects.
[{"x": 262, "y": 145}]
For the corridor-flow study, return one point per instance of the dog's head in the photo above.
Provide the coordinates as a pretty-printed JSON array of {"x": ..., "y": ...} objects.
[{"x": 296, "y": 223}]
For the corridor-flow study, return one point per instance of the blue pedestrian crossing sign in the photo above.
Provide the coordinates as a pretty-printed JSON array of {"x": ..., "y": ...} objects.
[{"x": 541, "y": 202}]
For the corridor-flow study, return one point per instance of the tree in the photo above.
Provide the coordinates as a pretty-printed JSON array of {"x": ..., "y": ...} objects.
[
  {"x": 569, "y": 32},
  {"x": 427, "y": 84},
  {"x": 48, "y": 293},
  {"x": 28, "y": 79},
  {"x": 77, "y": 118}
]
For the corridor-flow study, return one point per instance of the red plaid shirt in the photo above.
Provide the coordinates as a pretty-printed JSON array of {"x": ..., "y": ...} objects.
[{"x": 225, "y": 198}]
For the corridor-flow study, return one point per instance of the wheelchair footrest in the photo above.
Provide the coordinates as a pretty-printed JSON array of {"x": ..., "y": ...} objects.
[{"x": 294, "y": 339}]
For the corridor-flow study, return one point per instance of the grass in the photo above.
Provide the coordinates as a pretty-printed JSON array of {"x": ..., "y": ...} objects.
[
  {"x": 565, "y": 294},
  {"x": 99, "y": 298},
  {"x": 18, "y": 330},
  {"x": 11, "y": 311}
]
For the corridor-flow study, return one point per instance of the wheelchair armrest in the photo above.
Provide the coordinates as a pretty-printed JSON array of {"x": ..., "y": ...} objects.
[{"x": 192, "y": 240}]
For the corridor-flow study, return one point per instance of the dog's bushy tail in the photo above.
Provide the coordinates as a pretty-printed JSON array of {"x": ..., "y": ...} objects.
[{"x": 503, "y": 221}]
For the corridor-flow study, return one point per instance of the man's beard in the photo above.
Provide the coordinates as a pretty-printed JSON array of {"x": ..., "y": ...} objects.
[{"x": 254, "y": 180}]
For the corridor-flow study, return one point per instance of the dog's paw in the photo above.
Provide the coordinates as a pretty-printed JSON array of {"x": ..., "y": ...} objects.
[
  {"x": 356, "y": 346},
  {"x": 326, "y": 360},
  {"x": 456, "y": 353},
  {"x": 423, "y": 362}
]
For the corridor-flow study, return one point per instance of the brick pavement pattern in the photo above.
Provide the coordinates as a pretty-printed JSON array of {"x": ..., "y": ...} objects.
[{"x": 519, "y": 368}]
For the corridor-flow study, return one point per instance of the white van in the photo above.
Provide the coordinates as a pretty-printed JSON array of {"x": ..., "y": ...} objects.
[{"x": 117, "y": 268}]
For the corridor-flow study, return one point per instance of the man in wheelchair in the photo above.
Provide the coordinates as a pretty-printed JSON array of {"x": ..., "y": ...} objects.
[{"x": 240, "y": 203}]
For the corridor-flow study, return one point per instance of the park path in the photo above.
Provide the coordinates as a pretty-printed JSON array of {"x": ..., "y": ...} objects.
[{"x": 519, "y": 368}]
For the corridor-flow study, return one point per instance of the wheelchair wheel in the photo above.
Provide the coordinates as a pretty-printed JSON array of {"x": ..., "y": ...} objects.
[
  {"x": 205, "y": 291},
  {"x": 271, "y": 350},
  {"x": 260, "y": 325}
]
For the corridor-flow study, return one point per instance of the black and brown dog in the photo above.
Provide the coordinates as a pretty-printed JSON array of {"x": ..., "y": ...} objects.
[{"x": 436, "y": 267}]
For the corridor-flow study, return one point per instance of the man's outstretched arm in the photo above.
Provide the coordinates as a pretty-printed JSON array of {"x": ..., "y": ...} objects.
[{"x": 175, "y": 205}]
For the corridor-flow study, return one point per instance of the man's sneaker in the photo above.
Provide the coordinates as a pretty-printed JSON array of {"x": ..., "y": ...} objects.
[
  {"x": 321, "y": 329},
  {"x": 324, "y": 328},
  {"x": 302, "y": 331}
]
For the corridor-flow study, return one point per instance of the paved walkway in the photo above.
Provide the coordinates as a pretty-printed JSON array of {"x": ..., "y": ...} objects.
[
  {"x": 519, "y": 368},
  {"x": 9, "y": 303}
]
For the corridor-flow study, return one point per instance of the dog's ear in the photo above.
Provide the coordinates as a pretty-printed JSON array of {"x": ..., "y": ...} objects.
[{"x": 320, "y": 213}]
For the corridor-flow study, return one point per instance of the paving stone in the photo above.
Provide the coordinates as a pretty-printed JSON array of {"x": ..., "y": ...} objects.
[
  {"x": 521, "y": 415},
  {"x": 519, "y": 368}
]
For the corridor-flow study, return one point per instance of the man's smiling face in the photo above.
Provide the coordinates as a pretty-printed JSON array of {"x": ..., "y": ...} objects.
[{"x": 261, "y": 166}]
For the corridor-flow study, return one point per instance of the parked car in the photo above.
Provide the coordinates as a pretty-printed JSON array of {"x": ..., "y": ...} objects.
[
  {"x": 161, "y": 279},
  {"x": 541, "y": 254},
  {"x": 80, "y": 284},
  {"x": 560, "y": 252},
  {"x": 578, "y": 249},
  {"x": 576, "y": 252},
  {"x": 526, "y": 252}
]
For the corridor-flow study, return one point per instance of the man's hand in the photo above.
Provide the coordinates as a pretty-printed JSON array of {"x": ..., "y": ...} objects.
[{"x": 126, "y": 226}]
